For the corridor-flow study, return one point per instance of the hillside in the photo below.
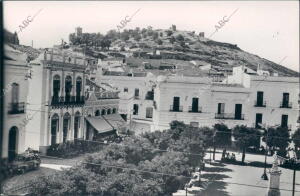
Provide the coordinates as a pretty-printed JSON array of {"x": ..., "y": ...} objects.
[{"x": 179, "y": 45}]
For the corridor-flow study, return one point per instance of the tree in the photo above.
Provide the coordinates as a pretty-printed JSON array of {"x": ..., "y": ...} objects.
[
  {"x": 159, "y": 42},
  {"x": 155, "y": 35},
  {"x": 179, "y": 38},
  {"x": 246, "y": 137},
  {"x": 172, "y": 40},
  {"x": 105, "y": 43},
  {"x": 277, "y": 139},
  {"x": 222, "y": 137},
  {"x": 296, "y": 140},
  {"x": 137, "y": 37}
]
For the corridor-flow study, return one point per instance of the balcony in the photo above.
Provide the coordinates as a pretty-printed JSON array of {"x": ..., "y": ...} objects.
[
  {"x": 231, "y": 116},
  {"x": 195, "y": 110},
  {"x": 175, "y": 109},
  {"x": 17, "y": 108},
  {"x": 285, "y": 104},
  {"x": 260, "y": 104},
  {"x": 136, "y": 97},
  {"x": 67, "y": 101}
]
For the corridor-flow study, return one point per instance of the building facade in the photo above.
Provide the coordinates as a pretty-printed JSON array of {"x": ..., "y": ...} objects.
[
  {"x": 17, "y": 75},
  {"x": 136, "y": 98},
  {"x": 246, "y": 97},
  {"x": 56, "y": 99}
]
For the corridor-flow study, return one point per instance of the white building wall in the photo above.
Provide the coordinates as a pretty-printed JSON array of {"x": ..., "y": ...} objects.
[
  {"x": 127, "y": 99},
  {"x": 14, "y": 72},
  {"x": 273, "y": 88}
]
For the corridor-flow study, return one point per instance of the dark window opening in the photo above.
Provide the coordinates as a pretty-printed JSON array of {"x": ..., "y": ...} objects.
[
  {"x": 258, "y": 120},
  {"x": 284, "y": 121},
  {"x": 135, "y": 109}
]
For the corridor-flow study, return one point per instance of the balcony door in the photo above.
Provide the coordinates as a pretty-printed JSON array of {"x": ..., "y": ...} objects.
[
  {"x": 78, "y": 88},
  {"x": 221, "y": 108},
  {"x": 15, "y": 96},
  {"x": 56, "y": 88},
  {"x": 238, "y": 111},
  {"x": 195, "y": 104},
  {"x": 176, "y": 103},
  {"x": 285, "y": 99},
  {"x": 68, "y": 88},
  {"x": 260, "y": 98}
]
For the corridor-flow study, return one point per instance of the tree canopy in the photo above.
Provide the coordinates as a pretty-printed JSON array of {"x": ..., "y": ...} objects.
[{"x": 156, "y": 163}]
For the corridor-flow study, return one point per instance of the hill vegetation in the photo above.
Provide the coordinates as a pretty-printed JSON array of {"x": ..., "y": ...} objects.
[{"x": 176, "y": 44}]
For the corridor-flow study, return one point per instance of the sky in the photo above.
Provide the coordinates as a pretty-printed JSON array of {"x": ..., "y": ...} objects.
[{"x": 269, "y": 29}]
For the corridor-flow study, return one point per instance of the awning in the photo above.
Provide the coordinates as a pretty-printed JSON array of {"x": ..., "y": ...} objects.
[
  {"x": 114, "y": 120},
  {"x": 101, "y": 125}
]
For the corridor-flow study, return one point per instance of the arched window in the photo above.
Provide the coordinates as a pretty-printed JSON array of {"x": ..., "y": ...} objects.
[
  {"x": 109, "y": 111},
  {"x": 114, "y": 110},
  {"x": 78, "y": 88},
  {"x": 66, "y": 122},
  {"x": 76, "y": 125},
  {"x": 56, "y": 88},
  {"x": 68, "y": 88},
  {"x": 54, "y": 128},
  {"x": 12, "y": 143},
  {"x": 97, "y": 113},
  {"x": 103, "y": 112}
]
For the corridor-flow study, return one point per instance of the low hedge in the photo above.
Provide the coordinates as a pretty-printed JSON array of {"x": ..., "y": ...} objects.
[{"x": 73, "y": 148}]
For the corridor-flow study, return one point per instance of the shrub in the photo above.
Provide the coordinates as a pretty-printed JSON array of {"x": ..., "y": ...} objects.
[{"x": 73, "y": 148}]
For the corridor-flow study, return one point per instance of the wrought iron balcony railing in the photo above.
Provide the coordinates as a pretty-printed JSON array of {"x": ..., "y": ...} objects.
[
  {"x": 231, "y": 116},
  {"x": 69, "y": 100},
  {"x": 260, "y": 104},
  {"x": 175, "y": 109},
  {"x": 285, "y": 104},
  {"x": 17, "y": 108},
  {"x": 195, "y": 109}
]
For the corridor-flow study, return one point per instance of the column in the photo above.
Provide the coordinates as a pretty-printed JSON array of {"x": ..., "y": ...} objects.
[
  {"x": 73, "y": 84},
  {"x": 83, "y": 85},
  {"x": 50, "y": 85},
  {"x": 71, "y": 128},
  {"x": 60, "y": 125},
  {"x": 62, "y": 86}
]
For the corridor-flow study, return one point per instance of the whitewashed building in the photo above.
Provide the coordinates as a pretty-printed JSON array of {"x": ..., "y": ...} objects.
[
  {"x": 16, "y": 77},
  {"x": 246, "y": 97}
]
